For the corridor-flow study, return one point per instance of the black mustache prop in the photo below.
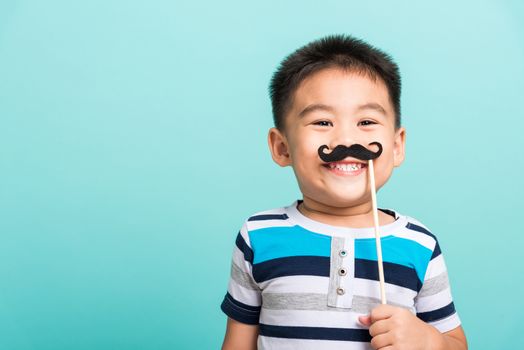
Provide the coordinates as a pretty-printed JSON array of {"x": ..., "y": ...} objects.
[{"x": 356, "y": 151}]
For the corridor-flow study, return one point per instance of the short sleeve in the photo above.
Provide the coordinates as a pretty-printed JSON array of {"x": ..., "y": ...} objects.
[
  {"x": 243, "y": 298},
  {"x": 434, "y": 303}
]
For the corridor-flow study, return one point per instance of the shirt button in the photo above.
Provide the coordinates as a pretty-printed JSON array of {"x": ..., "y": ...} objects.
[
  {"x": 340, "y": 291},
  {"x": 342, "y": 271},
  {"x": 343, "y": 253}
]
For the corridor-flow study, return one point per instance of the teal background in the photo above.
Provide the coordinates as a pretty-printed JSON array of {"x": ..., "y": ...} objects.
[{"x": 133, "y": 145}]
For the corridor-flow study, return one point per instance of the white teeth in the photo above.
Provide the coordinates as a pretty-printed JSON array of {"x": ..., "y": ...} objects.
[{"x": 345, "y": 167}]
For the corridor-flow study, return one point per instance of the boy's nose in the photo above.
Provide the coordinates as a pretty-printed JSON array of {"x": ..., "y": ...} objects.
[{"x": 344, "y": 137}]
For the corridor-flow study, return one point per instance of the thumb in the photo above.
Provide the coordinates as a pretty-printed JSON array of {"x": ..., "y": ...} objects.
[{"x": 365, "y": 320}]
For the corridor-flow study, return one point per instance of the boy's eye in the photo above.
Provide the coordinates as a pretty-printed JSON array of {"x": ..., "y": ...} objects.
[
  {"x": 366, "y": 122},
  {"x": 323, "y": 123}
]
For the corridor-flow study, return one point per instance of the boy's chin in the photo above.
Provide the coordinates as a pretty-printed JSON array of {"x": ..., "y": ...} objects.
[{"x": 340, "y": 201}]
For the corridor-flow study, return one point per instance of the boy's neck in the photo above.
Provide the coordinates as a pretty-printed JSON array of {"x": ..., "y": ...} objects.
[{"x": 359, "y": 216}]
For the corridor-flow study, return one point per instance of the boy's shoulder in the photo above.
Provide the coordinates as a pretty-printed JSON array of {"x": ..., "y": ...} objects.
[
  {"x": 276, "y": 217},
  {"x": 405, "y": 226}
]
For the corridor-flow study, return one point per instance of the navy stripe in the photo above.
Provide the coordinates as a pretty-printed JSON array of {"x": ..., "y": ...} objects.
[
  {"x": 244, "y": 248},
  {"x": 436, "y": 251},
  {"x": 239, "y": 311},
  {"x": 319, "y": 266},
  {"x": 399, "y": 275},
  {"x": 291, "y": 266},
  {"x": 420, "y": 229},
  {"x": 268, "y": 217},
  {"x": 318, "y": 333},
  {"x": 438, "y": 314}
]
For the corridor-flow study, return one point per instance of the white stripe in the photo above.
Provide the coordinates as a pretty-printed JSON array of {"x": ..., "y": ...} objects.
[
  {"x": 261, "y": 224},
  {"x": 435, "y": 267},
  {"x": 447, "y": 324},
  {"x": 277, "y": 211},
  {"x": 397, "y": 294},
  {"x": 266, "y": 343},
  {"x": 296, "y": 284},
  {"x": 419, "y": 237},
  {"x": 434, "y": 302},
  {"x": 244, "y": 295}
]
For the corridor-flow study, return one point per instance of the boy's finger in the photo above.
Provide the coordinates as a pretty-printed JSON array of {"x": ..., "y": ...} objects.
[
  {"x": 380, "y": 327},
  {"x": 381, "y": 341},
  {"x": 365, "y": 320},
  {"x": 382, "y": 312}
]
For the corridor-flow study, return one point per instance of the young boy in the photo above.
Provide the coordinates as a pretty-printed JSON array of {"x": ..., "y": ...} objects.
[{"x": 305, "y": 276}]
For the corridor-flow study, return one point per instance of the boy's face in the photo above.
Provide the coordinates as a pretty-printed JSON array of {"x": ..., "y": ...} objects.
[{"x": 335, "y": 107}]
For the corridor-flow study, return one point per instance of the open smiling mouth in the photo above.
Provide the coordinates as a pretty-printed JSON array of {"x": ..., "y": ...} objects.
[{"x": 346, "y": 168}]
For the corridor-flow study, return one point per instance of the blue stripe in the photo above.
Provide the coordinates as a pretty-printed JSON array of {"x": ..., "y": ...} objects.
[
  {"x": 396, "y": 250},
  {"x": 244, "y": 248},
  {"x": 291, "y": 266},
  {"x": 319, "y": 333},
  {"x": 277, "y": 242},
  {"x": 438, "y": 314},
  {"x": 239, "y": 311},
  {"x": 393, "y": 273},
  {"x": 268, "y": 217}
]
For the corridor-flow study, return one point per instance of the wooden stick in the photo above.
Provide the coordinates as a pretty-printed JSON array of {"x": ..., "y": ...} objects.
[{"x": 377, "y": 234}]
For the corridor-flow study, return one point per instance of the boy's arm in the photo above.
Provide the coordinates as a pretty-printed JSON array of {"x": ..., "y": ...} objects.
[
  {"x": 243, "y": 300},
  {"x": 240, "y": 336},
  {"x": 455, "y": 339},
  {"x": 393, "y": 327}
]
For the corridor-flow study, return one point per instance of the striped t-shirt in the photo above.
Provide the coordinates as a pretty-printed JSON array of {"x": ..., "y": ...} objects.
[{"x": 304, "y": 283}]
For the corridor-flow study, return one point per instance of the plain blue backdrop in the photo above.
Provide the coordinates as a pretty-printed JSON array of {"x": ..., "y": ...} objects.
[{"x": 133, "y": 145}]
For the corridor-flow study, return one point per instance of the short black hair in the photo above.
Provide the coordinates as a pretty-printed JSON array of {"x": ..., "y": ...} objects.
[{"x": 343, "y": 51}]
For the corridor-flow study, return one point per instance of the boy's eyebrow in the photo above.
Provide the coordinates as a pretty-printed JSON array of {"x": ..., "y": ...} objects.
[
  {"x": 372, "y": 105},
  {"x": 315, "y": 107},
  {"x": 322, "y": 107}
]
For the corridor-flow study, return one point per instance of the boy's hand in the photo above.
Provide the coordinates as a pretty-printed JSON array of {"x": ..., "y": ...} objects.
[{"x": 393, "y": 327}]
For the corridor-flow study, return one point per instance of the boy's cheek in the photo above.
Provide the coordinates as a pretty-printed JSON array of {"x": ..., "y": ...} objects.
[{"x": 305, "y": 154}]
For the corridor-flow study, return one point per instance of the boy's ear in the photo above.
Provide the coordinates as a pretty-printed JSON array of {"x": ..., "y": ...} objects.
[
  {"x": 279, "y": 147},
  {"x": 399, "y": 147}
]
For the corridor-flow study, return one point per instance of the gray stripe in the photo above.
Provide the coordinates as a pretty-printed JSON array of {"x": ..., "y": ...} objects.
[
  {"x": 337, "y": 243},
  {"x": 297, "y": 301},
  {"x": 317, "y": 302},
  {"x": 364, "y": 305},
  {"x": 434, "y": 285},
  {"x": 242, "y": 278}
]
